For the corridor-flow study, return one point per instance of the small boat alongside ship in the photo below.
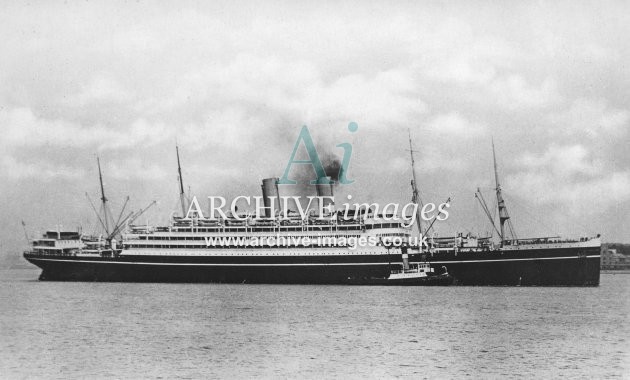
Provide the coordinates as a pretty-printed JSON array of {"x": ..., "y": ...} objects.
[
  {"x": 421, "y": 274},
  {"x": 195, "y": 250}
]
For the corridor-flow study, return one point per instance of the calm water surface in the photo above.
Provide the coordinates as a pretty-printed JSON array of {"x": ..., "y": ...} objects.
[{"x": 117, "y": 330}]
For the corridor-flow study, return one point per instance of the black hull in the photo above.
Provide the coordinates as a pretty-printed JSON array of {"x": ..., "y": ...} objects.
[
  {"x": 54, "y": 271},
  {"x": 544, "y": 267},
  {"x": 577, "y": 272},
  {"x": 561, "y": 267}
]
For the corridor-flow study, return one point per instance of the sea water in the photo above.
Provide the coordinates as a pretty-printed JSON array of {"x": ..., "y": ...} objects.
[{"x": 121, "y": 330}]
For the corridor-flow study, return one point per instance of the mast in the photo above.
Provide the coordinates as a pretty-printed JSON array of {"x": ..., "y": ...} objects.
[
  {"x": 182, "y": 195},
  {"x": 415, "y": 197},
  {"x": 484, "y": 207},
  {"x": 103, "y": 198},
  {"x": 503, "y": 213}
]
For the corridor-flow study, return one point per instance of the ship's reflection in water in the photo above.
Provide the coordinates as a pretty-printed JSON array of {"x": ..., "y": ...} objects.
[{"x": 116, "y": 330}]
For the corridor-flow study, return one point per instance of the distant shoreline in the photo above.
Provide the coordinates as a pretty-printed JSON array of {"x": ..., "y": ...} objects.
[{"x": 615, "y": 271}]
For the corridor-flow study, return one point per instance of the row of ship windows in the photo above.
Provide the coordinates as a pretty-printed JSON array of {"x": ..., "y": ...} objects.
[
  {"x": 229, "y": 238},
  {"x": 287, "y": 228},
  {"x": 254, "y": 253},
  {"x": 56, "y": 252},
  {"x": 161, "y": 246}
]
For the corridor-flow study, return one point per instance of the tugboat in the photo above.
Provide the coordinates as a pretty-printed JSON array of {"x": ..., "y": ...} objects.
[{"x": 420, "y": 274}]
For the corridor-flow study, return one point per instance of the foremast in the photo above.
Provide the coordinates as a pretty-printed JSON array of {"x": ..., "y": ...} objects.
[
  {"x": 113, "y": 228},
  {"x": 106, "y": 213}
]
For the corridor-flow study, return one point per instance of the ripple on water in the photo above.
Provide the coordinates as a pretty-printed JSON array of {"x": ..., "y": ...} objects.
[{"x": 83, "y": 330}]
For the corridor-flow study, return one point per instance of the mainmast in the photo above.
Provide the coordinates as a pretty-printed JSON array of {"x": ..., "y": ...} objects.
[
  {"x": 415, "y": 197},
  {"x": 103, "y": 198},
  {"x": 182, "y": 195},
  {"x": 503, "y": 213}
]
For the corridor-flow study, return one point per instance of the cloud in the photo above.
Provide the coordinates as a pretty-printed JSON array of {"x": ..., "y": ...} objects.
[
  {"x": 563, "y": 161},
  {"x": 513, "y": 92},
  {"x": 141, "y": 133},
  {"x": 23, "y": 129},
  {"x": 399, "y": 164},
  {"x": 593, "y": 117},
  {"x": 223, "y": 128},
  {"x": 28, "y": 139},
  {"x": 101, "y": 89},
  {"x": 15, "y": 170},
  {"x": 444, "y": 136},
  {"x": 472, "y": 59},
  {"x": 454, "y": 125},
  {"x": 384, "y": 99},
  {"x": 233, "y": 82},
  {"x": 137, "y": 169},
  {"x": 458, "y": 70},
  {"x": 268, "y": 88},
  {"x": 569, "y": 176}
]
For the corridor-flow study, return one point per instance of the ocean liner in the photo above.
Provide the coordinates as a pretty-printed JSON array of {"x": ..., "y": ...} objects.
[{"x": 313, "y": 250}]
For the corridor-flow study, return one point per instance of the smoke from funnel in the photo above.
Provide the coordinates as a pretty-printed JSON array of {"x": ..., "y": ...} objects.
[
  {"x": 332, "y": 167},
  {"x": 325, "y": 189}
]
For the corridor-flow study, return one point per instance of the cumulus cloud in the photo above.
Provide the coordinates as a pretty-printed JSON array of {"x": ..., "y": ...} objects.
[
  {"x": 443, "y": 137},
  {"x": 40, "y": 172},
  {"x": 101, "y": 89},
  {"x": 135, "y": 169},
  {"x": 572, "y": 177},
  {"x": 455, "y": 126},
  {"x": 232, "y": 83},
  {"x": 515, "y": 93},
  {"x": 22, "y": 128},
  {"x": 594, "y": 117}
]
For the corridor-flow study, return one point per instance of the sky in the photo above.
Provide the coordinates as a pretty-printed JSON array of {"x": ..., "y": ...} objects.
[{"x": 232, "y": 83}]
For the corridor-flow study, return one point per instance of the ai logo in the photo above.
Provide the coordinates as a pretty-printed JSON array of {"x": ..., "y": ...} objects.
[{"x": 315, "y": 162}]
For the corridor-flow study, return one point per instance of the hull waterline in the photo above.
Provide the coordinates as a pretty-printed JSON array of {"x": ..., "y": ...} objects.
[{"x": 540, "y": 271}]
